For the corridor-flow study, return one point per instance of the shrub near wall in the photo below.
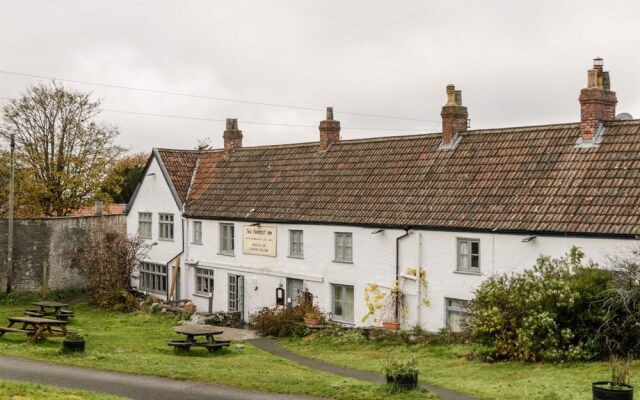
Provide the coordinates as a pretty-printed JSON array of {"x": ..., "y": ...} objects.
[{"x": 545, "y": 313}]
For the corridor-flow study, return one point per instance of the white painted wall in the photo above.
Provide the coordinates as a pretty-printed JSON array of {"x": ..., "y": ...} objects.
[
  {"x": 154, "y": 196},
  {"x": 373, "y": 262}
]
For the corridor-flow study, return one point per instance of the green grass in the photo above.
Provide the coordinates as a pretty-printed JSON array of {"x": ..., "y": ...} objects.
[
  {"x": 137, "y": 343},
  {"x": 26, "y": 391},
  {"x": 446, "y": 366}
]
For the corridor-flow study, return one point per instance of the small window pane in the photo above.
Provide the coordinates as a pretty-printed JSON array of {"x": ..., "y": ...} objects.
[
  {"x": 344, "y": 248},
  {"x": 197, "y": 232},
  {"x": 166, "y": 226},
  {"x": 342, "y": 303},
  {"x": 144, "y": 225},
  {"x": 296, "y": 243},
  {"x": 468, "y": 255}
]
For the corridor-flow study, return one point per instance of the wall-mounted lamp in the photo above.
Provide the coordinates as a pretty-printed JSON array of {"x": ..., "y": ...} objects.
[
  {"x": 528, "y": 239},
  {"x": 378, "y": 231},
  {"x": 255, "y": 224}
]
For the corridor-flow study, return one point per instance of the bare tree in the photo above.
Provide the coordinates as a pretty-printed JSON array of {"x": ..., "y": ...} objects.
[
  {"x": 108, "y": 260},
  {"x": 59, "y": 146}
]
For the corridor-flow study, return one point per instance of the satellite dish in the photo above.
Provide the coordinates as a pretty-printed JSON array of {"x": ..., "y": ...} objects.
[{"x": 624, "y": 117}]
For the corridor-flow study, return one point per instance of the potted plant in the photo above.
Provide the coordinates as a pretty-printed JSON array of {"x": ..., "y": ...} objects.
[
  {"x": 620, "y": 329},
  {"x": 618, "y": 387},
  {"x": 189, "y": 308},
  {"x": 391, "y": 306},
  {"x": 394, "y": 309},
  {"x": 73, "y": 343},
  {"x": 401, "y": 374},
  {"x": 312, "y": 318}
]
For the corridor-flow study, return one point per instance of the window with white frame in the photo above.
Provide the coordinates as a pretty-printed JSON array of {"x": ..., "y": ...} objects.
[
  {"x": 166, "y": 226},
  {"x": 296, "y": 244},
  {"x": 344, "y": 247},
  {"x": 153, "y": 277},
  {"x": 469, "y": 255},
  {"x": 197, "y": 232},
  {"x": 342, "y": 303},
  {"x": 457, "y": 313},
  {"x": 204, "y": 281},
  {"x": 144, "y": 225},
  {"x": 226, "y": 239}
]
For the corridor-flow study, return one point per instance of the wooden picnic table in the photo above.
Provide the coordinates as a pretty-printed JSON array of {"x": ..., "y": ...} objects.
[
  {"x": 36, "y": 327},
  {"x": 50, "y": 308},
  {"x": 192, "y": 331}
]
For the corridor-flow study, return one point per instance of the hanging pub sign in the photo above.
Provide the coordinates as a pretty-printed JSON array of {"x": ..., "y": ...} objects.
[{"x": 259, "y": 240}]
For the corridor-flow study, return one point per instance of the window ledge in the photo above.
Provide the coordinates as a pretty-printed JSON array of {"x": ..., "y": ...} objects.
[
  {"x": 227, "y": 254},
  {"x": 342, "y": 262},
  {"x": 343, "y": 322},
  {"x": 298, "y": 257},
  {"x": 165, "y": 239},
  {"x": 196, "y": 243},
  {"x": 204, "y": 295},
  {"x": 463, "y": 272}
]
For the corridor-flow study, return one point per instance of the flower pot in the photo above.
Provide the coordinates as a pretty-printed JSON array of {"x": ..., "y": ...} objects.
[
  {"x": 603, "y": 391},
  {"x": 406, "y": 381},
  {"x": 311, "y": 321},
  {"x": 190, "y": 308},
  {"x": 73, "y": 347},
  {"x": 391, "y": 326}
]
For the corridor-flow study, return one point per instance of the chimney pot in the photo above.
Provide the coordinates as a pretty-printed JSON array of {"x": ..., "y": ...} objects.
[
  {"x": 598, "y": 63},
  {"x": 329, "y": 113}
]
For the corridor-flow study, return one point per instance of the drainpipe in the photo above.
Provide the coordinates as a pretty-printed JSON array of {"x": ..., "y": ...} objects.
[
  {"x": 418, "y": 274},
  {"x": 406, "y": 230}
]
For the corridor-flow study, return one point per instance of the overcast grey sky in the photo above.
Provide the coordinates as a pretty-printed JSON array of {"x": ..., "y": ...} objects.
[{"x": 516, "y": 62}]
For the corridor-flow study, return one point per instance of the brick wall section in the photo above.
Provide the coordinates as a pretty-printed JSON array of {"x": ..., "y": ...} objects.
[
  {"x": 329, "y": 130},
  {"x": 454, "y": 120},
  {"x": 232, "y": 136},
  {"x": 48, "y": 241},
  {"x": 597, "y": 105},
  {"x": 454, "y": 115}
]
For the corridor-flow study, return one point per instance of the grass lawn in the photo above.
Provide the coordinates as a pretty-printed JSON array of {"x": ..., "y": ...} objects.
[
  {"x": 445, "y": 366},
  {"x": 137, "y": 343},
  {"x": 25, "y": 391}
]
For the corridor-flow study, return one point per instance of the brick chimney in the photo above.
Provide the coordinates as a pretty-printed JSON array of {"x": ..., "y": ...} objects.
[
  {"x": 329, "y": 130},
  {"x": 232, "y": 136},
  {"x": 454, "y": 116},
  {"x": 597, "y": 101}
]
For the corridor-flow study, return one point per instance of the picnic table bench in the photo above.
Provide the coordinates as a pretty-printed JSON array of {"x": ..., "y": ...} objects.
[
  {"x": 36, "y": 327},
  {"x": 50, "y": 309},
  {"x": 195, "y": 330}
]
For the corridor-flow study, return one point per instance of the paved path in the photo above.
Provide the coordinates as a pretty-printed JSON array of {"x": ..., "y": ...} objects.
[
  {"x": 271, "y": 346},
  {"x": 137, "y": 387}
]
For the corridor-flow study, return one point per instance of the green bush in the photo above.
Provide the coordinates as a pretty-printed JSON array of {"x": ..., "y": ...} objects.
[{"x": 545, "y": 313}]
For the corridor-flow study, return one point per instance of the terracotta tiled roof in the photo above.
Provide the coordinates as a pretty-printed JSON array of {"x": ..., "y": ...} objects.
[
  {"x": 180, "y": 165},
  {"x": 521, "y": 179}
]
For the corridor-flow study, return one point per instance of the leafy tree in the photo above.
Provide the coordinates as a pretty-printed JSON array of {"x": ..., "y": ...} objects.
[
  {"x": 63, "y": 151},
  {"x": 123, "y": 178},
  {"x": 108, "y": 260}
]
